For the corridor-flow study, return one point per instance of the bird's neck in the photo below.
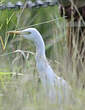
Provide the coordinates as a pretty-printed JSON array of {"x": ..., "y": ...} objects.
[
  {"x": 40, "y": 46},
  {"x": 40, "y": 52}
]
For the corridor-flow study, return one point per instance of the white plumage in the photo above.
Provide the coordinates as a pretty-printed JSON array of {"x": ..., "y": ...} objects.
[{"x": 56, "y": 87}]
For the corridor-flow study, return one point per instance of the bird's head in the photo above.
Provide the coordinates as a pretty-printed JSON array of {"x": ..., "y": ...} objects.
[
  {"x": 29, "y": 33},
  {"x": 34, "y": 35}
]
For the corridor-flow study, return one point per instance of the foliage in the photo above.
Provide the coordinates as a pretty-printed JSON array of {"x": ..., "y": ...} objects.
[{"x": 25, "y": 90}]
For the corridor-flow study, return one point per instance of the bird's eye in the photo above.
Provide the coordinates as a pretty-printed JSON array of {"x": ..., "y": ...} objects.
[{"x": 28, "y": 32}]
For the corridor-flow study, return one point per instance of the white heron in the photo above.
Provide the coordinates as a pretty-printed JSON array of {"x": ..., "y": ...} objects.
[{"x": 55, "y": 86}]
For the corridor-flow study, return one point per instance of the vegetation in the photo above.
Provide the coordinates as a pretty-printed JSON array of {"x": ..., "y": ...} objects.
[{"x": 19, "y": 81}]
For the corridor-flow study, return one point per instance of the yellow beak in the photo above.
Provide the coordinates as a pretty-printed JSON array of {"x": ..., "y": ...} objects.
[{"x": 13, "y": 32}]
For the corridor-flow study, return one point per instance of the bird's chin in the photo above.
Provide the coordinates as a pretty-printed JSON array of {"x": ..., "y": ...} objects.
[{"x": 28, "y": 37}]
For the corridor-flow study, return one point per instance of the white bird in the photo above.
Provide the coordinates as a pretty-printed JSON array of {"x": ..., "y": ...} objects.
[{"x": 56, "y": 87}]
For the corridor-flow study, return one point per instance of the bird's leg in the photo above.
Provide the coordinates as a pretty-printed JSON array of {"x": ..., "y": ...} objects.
[{"x": 2, "y": 43}]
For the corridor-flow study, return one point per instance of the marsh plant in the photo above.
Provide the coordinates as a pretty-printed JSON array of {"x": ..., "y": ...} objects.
[{"x": 20, "y": 85}]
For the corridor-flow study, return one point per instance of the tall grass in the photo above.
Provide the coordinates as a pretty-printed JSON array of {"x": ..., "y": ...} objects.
[{"x": 21, "y": 89}]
